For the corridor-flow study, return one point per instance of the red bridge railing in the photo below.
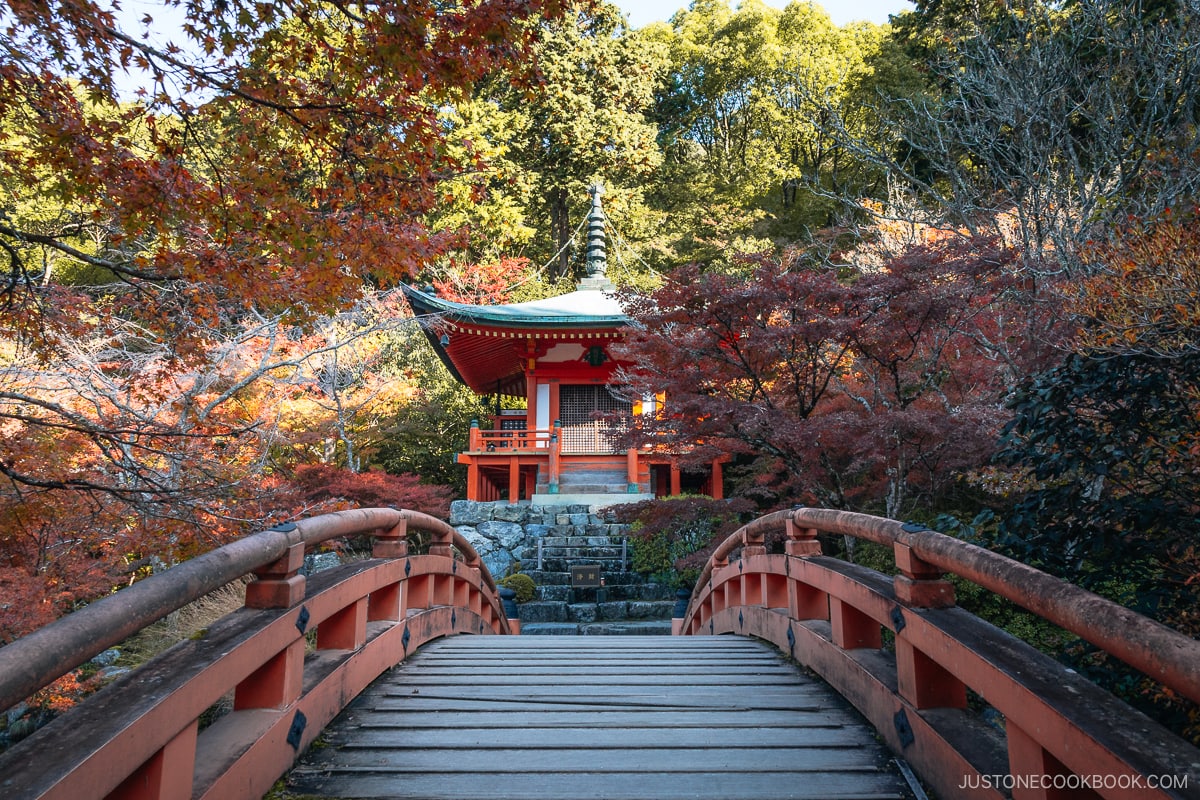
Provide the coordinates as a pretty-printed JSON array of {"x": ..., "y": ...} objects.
[
  {"x": 140, "y": 736},
  {"x": 1062, "y": 735}
]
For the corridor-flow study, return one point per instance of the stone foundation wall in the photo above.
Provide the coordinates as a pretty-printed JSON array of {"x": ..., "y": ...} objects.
[{"x": 502, "y": 533}]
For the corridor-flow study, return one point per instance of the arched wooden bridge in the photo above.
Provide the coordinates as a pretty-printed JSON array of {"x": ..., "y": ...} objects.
[{"x": 711, "y": 713}]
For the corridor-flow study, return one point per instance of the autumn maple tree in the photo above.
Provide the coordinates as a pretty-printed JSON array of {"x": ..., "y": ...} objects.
[
  {"x": 193, "y": 272},
  {"x": 853, "y": 389},
  {"x": 274, "y": 166}
]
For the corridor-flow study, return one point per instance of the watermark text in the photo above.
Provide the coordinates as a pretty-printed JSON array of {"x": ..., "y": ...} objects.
[{"x": 1071, "y": 781}]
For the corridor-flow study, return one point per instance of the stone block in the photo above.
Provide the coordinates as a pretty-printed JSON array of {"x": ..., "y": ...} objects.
[
  {"x": 578, "y": 519},
  {"x": 550, "y": 629},
  {"x": 553, "y": 593},
  {"x": 316, "y": 562},
  {"x": 504, "y": 534},
  {"x": 107, "y": 658},
  {"x": 536, "y": 530},
  {"x": 641, "y": 628},
  {"x": 543, "y": 611},
  {"x": 510, "y": 512},
  {"x": 546, "y": 578},
  {"x": 581, "y": 612},
  {"x": 642, "y": 609},
  {"x": 470, "y": 512},
  {"x": 612, "y": 610}
]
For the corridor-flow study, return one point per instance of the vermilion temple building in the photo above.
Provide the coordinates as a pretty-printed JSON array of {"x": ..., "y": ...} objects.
[{"x": 557, "y": 355}]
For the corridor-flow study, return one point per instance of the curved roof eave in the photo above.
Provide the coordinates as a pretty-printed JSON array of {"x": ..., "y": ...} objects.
[{"x": 583, "y": 308}]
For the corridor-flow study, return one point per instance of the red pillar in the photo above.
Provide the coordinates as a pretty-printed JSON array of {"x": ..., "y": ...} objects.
[
  {"x": 514, "y": 479},
  {"x": 473, "y": 485},
  {"x": 718, "y": 481}
]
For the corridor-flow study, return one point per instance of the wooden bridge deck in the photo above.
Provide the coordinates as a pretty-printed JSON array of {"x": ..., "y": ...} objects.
[{"x": 597, "y": 717}]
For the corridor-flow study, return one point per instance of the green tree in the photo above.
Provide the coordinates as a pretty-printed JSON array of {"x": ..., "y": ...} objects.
[
  {"x": 750, "y": 159},
  {"x": 585, "y": 122}
]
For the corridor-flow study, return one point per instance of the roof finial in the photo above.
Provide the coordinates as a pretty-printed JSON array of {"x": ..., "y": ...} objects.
[{"x": 597, "y": 260}]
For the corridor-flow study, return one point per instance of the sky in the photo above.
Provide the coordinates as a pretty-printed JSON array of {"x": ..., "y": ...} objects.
[{"x": 643, "y": 12}]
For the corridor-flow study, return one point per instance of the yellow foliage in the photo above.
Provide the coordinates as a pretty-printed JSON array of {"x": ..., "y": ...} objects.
[{"x": 1145, "y": 293}]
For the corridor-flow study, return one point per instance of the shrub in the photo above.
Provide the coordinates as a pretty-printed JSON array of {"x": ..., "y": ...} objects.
[
  {"x": 671, "y": 538},
  {"x": 371, "y": 489},
  {"x": 520, "y": 583}
]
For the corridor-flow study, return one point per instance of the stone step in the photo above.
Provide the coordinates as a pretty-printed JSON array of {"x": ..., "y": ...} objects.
[
  {"x": 585, "y": 488},
  {"x": 568, "y": 538},
  {"x": 573, "y": 477},
  {"x": 587, "y": 612},
  {"x": 612, "y": 577},
  {"x": 619, "y": 610},
  {"x": 595, "y": 502},
  {"x": 609, "y": 568},
  {"x": 637, "y": 591},
  {"x": 660, "y": 627}
]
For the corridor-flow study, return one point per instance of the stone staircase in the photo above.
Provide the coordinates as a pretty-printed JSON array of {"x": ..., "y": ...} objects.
[
  {"x": 567, "y": 536},
  {"x": 589, "y": 482},
  {"x": 624, "y": 605}
]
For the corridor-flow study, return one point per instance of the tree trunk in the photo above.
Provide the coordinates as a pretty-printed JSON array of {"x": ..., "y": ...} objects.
[{"x": 560, "y": 224}]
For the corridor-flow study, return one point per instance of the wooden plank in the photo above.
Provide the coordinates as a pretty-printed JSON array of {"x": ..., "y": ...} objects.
[
  {"x": 553, "y": 760},
  {"x": 597, "y": 717},
  {"x": 584, "y": 786},
  {"x": 438, "y": 701},
  {"x": 666, "y": 682},
  {"x": 627, "y": 645},
  {"x": 602, "y": 738},
  {"x": 505, "y": 761},
  {"x": 538, "y": 666}
]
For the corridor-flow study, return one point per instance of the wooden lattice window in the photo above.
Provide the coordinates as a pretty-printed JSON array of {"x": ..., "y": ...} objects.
[{"x": 581, "y": 431}]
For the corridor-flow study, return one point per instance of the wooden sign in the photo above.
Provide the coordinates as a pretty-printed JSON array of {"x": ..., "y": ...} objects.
[{"x": 585, "y": 577}]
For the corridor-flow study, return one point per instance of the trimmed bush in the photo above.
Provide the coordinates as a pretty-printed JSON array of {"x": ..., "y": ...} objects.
[{"x": 520, "y": 583}]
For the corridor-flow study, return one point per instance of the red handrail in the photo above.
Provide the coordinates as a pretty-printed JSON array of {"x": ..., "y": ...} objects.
[
  {"x": 367, "y": 615},
  {"x": 831, "y": 616}
]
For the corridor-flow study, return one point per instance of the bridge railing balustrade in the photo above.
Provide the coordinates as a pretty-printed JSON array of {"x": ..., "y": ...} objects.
[
  {"x": 141, "y": 735},
  {"x": 1061, "y": 736}
]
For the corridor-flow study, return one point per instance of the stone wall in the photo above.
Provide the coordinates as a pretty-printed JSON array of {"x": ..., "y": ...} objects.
[{"x": 503, "y": 533}]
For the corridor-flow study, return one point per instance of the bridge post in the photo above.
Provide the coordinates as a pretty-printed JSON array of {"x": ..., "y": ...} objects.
[
  {"x": 851, "y": 628},
  {"x": 386, "y": 604},
  {"x": 920, "y": 583},
  {"x": 392, "y": 543},
  {"x": 1027, "y": 757},
  {"x": 345, "y": 630},
  {"x": 440, "y": 544},
  {"x": 277, "y": 683},
  {"x": 801, "y": 541},
  {"x": 804, "y": 601},
  {"x": 278, "y": 584},
  {"x": 168, "y": 773},
  {"x": 920, "y": 679}
]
